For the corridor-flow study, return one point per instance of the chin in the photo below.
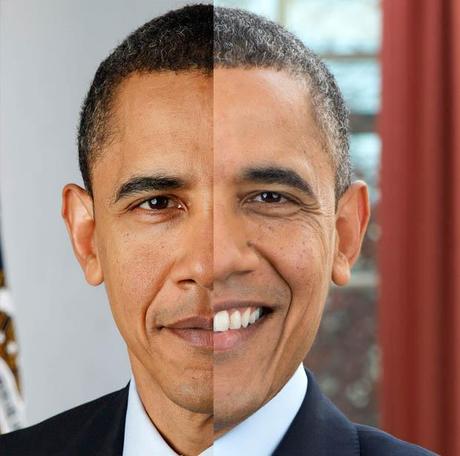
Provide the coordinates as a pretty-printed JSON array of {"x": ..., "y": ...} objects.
[
  {"x": 230, "y": 408},
  {"x": 197, "y": 398}
]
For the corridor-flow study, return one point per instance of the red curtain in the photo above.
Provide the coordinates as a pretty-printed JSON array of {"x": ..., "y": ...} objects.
[{"x": 419, "y": 308}]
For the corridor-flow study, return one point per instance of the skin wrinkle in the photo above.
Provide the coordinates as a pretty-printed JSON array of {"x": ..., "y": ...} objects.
[
  {"x": 308, "y": 285},
  {"x": 277, "y": 175}
]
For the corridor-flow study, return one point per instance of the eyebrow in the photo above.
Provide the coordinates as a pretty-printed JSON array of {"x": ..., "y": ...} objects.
[
  {"x": 142, "y": 184},
  {"x": 278, "y": 175}
]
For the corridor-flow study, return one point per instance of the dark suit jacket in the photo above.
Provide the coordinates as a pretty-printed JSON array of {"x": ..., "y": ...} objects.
[{"x": 97, "y": 428}]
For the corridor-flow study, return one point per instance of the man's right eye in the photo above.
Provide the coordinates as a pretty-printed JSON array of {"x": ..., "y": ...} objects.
[{"x": 159, "y": 202}]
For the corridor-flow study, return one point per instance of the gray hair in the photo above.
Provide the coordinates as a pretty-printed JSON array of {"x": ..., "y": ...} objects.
[{"x": 243, "y": 39}]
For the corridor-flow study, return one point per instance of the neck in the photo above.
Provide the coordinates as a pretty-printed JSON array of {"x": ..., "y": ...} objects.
[{"x": 187, "y": 433}]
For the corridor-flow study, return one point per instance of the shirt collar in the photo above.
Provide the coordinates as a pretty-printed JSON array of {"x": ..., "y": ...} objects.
[
  {"x": 261, "y": 433},
  {"x": 257, "y": 435},
  {"x": 141, "y": 437}
]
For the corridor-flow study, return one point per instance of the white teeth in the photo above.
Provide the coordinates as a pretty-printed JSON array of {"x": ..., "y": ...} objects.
[
  {"x": 245, "y": 318},
  {"x": 224, "y": 321},
  {"x": 221, "y": 321},
  {"x": 235, "y": 320}
]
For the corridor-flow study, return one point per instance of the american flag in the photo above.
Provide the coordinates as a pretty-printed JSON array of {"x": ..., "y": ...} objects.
[{"x": 12, "y": 415}]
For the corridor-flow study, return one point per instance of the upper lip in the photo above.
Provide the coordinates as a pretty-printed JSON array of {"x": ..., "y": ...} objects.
[
  {"x": 233, "y": 304},
  {"x": 194, "y": 322}
]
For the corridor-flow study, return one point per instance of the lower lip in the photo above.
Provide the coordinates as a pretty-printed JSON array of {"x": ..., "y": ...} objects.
[
  {"x": 233, "y": 338},
  {"x": 219, "y": 341},
  {"x": 202, "y": 338}
]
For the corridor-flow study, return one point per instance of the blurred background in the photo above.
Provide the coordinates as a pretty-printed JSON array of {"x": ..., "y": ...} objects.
[{"x": 388, "y": 349}]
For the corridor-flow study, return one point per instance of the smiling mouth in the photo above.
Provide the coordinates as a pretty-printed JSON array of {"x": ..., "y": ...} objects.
[
  {"x": 228, "y": 329},
  {"x": 234, "y": 319}
]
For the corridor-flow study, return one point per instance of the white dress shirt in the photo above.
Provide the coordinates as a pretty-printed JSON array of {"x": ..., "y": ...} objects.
[{"x": 257, "y": 435}]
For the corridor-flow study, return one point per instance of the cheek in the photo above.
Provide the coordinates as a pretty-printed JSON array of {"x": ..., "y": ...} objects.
[
  {"x": 300, "y": 253},
  {"x": 305, "y": 268},
  {"x": 134, "y": 266}
]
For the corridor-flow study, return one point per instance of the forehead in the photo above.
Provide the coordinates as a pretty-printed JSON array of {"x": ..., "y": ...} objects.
[
  {"x": 152, "y": 104},
  {"x": 265, "y": 115},
  {"x": 184, "y": 122},
  {"x": 160, "y": 122},
  {"x": 261, "y": 105}
]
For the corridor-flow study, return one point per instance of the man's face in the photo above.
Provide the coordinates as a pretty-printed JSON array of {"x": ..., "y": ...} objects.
[
  {"x": 274, "y": 234},
  {"x": 215, "y": 197},
  {"x": 153, "y": 217}
]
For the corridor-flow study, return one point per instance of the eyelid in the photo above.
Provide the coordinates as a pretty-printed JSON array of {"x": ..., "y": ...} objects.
[
  {"x": 288, "y": 197},
  {"x": 293, "y": 203},
  {"x": 136, "y": 205}
]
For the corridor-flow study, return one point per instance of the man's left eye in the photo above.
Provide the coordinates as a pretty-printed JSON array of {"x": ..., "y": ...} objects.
[
  {"x": 159, "y": 202},
  {"x": 270, "y": 197}
]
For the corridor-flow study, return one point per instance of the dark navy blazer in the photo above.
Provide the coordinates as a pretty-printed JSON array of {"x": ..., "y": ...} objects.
[
  {"x": 320, "y": 429},
  {"x": 97, "y": 428}
]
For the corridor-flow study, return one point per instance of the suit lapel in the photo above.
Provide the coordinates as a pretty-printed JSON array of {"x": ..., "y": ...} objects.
[
  {"x": 319, "y": 428},
  {"x": 103, "y": 434}
]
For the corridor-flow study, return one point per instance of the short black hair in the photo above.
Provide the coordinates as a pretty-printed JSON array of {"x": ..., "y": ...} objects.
[
  {"x": 181, "y": 40},
  {"x": 201, "y": 37}
]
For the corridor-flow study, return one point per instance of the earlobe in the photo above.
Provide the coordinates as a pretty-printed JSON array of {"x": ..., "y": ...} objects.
[
  {"x": 351, "y": 222},
  {"x": 341, "y": 269},
  {"x": 78, "y": 214}
]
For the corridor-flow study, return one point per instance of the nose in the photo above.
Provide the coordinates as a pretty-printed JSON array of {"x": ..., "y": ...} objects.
[
  {"x": 233, "y": 253},
  {"x": 194, "y": 263},
  {"x": 214, "y": 247}
]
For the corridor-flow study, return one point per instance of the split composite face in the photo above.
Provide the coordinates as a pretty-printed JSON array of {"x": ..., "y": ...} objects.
[{"x": 216, "y": 233}]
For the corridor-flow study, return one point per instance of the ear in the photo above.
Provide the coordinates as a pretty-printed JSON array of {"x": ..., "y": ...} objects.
[
  {"x": 352, "y": 217},
  {"x": 78, "y": 214}
]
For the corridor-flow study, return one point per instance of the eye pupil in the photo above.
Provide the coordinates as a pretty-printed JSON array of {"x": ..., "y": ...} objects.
[
  {"x": 159, "y": 202},
  {"x": 271, "y": 197}
]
